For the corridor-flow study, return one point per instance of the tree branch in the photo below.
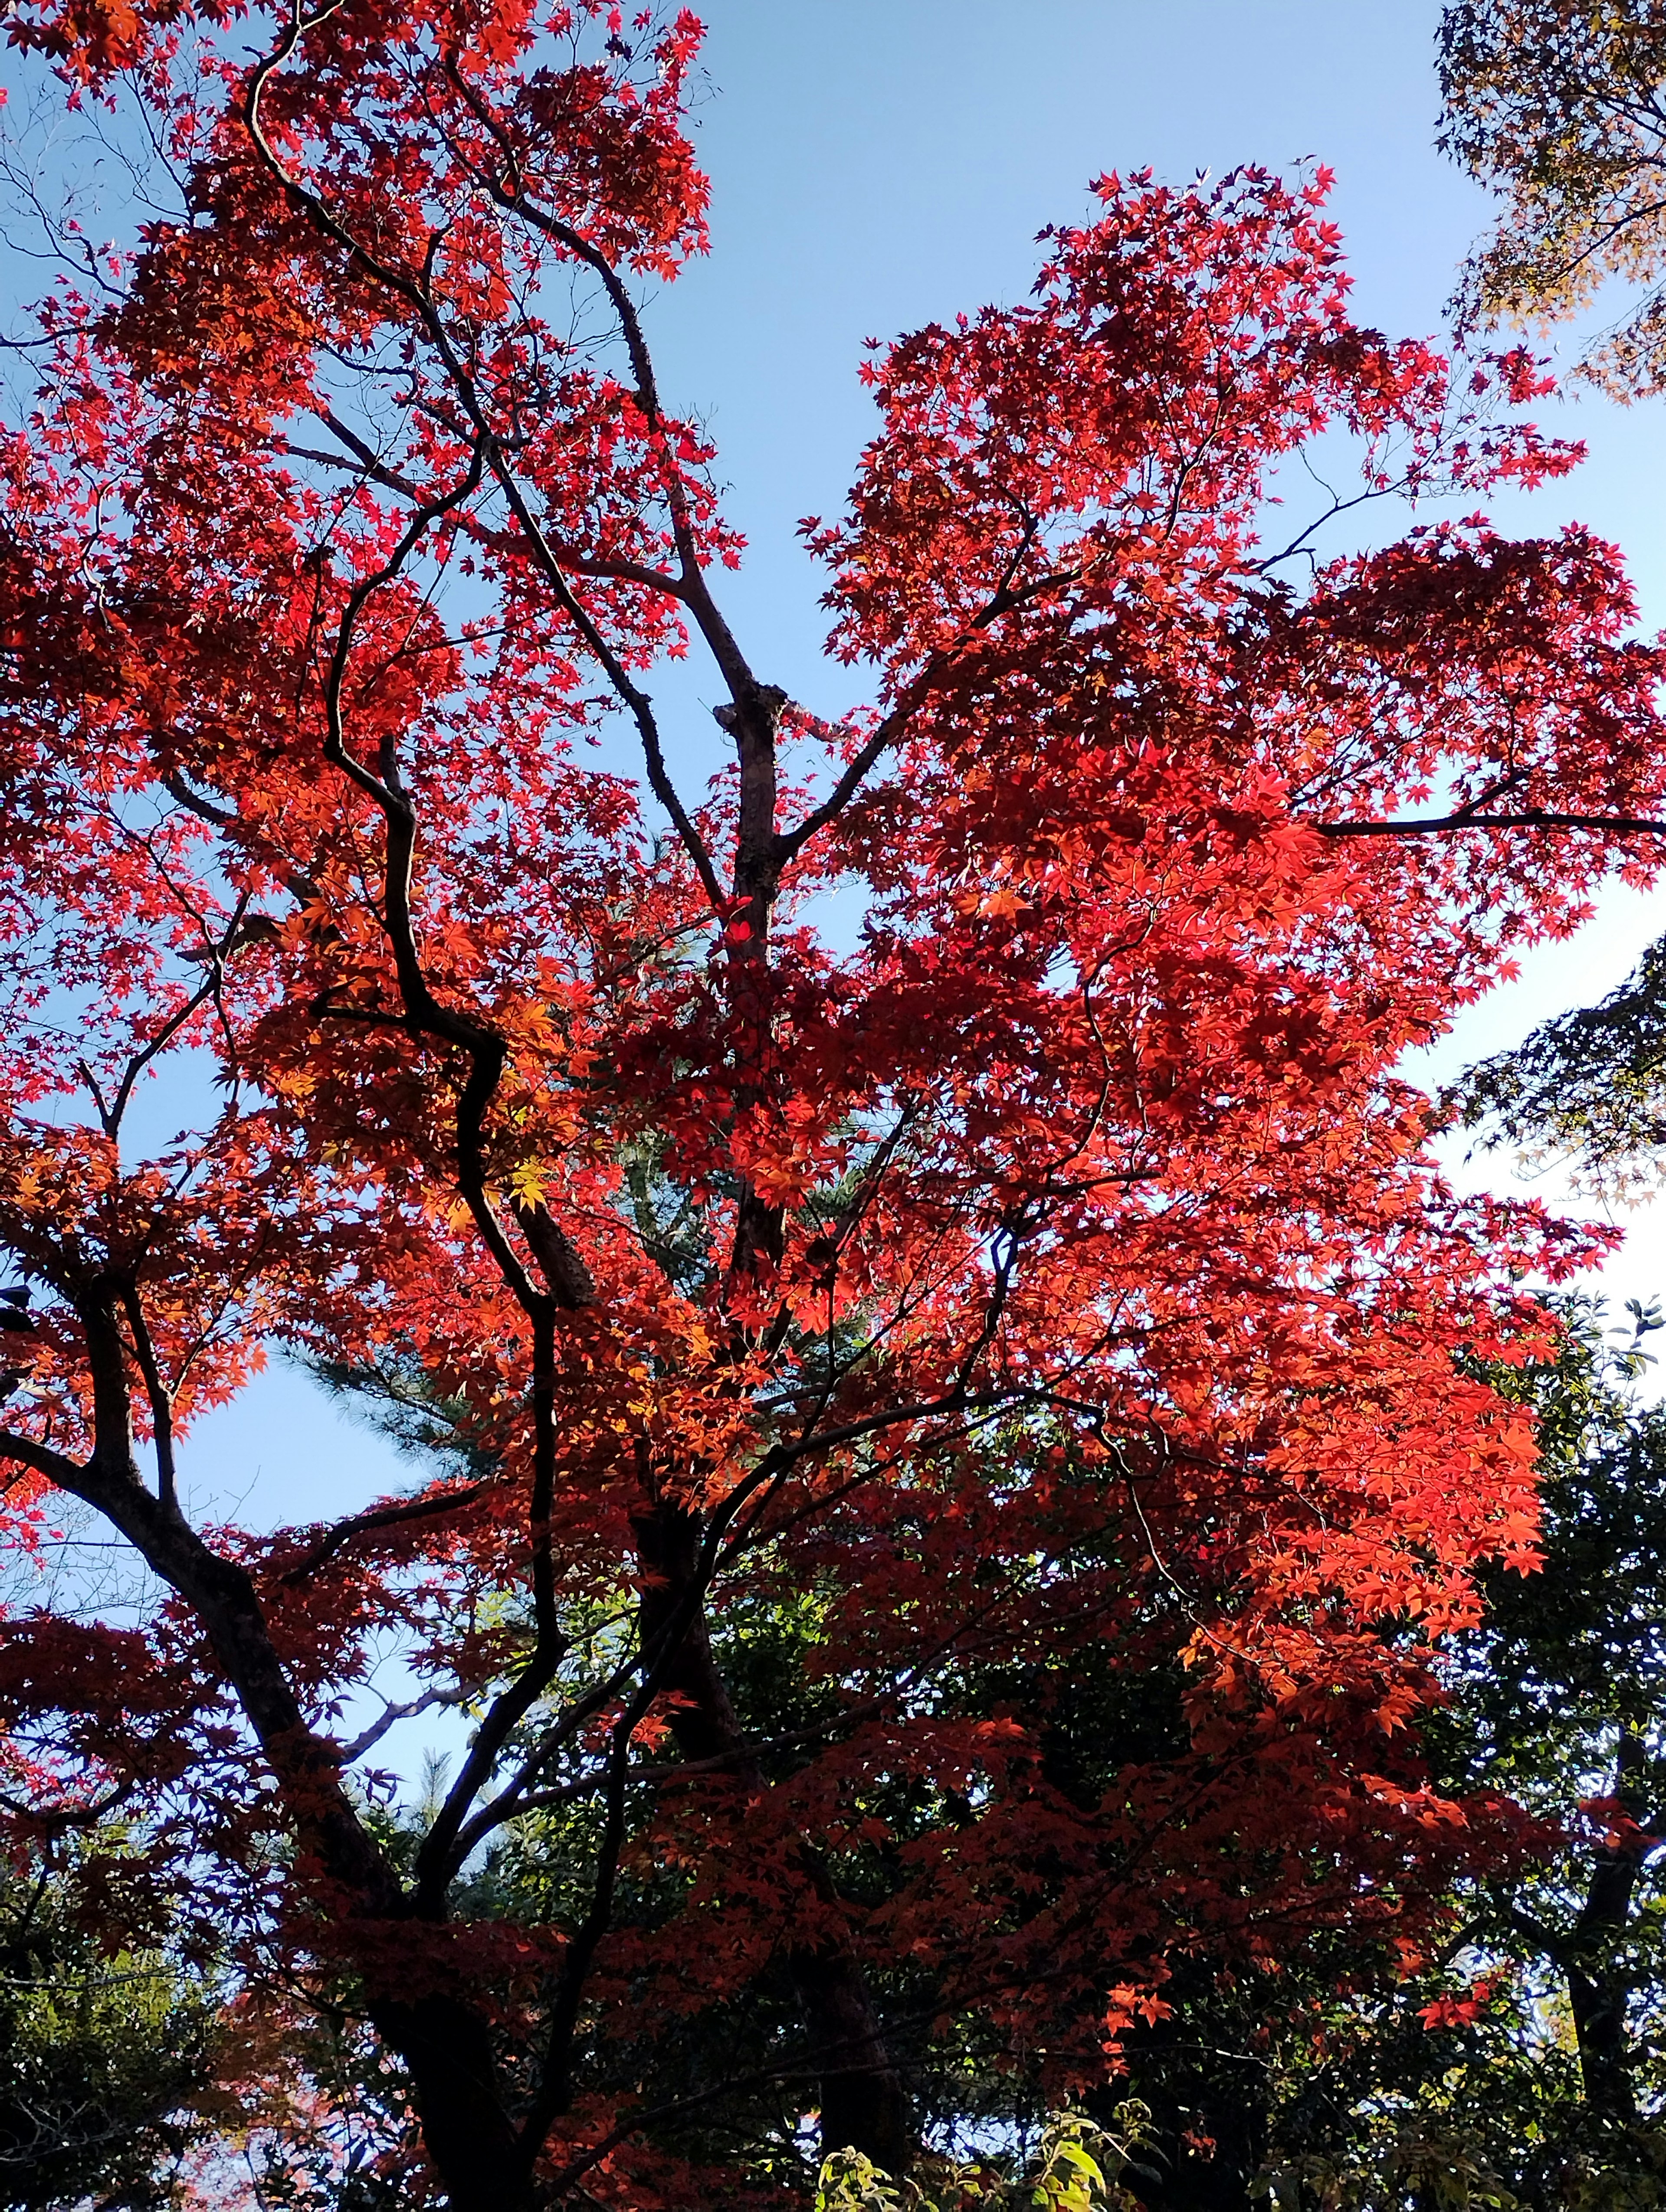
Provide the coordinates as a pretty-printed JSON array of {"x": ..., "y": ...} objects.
[
  {"x": 1534, "y": 817},
  {"x": 380, "y": 1517}
]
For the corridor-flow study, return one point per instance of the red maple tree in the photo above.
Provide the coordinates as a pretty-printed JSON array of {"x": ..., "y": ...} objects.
[{"x": 853, "y": 1346}]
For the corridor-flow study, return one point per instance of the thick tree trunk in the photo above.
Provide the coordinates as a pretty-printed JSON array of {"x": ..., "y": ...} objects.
[
  {"x": 1598, "y": 2002},
  {"x": 443, "y": 2041},
  {"x": 447, "y": 2048},
  {"x": 1596, "y": 1989},
  {"x": 864, "y": 2101},
  {"x": 1208, "y": 2096},
  {"x": 865, "y": 2105}
]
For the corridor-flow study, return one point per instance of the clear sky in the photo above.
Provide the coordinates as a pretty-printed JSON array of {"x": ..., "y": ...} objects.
[{"x": 879, "y": 163}]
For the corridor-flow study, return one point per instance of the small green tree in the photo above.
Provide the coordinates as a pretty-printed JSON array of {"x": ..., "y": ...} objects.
[
  {"x": 1075, "y": 2167},
  {"x": 103, "y": 2054}
]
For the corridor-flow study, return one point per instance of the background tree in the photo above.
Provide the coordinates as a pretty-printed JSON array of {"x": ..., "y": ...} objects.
[
  {"x": 1588, "y": 1085},
  {"x": 1559, "y": 107},
  {"x": 1516, "y": 2057},
  {"x": 854, "y": 1339},
  {"x": 107, "y": 2055},
  {"x": 1527, "y": 2056}
]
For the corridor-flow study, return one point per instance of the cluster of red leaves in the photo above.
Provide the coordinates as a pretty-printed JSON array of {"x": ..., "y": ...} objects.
[{"x": 1047, "y": 1284}]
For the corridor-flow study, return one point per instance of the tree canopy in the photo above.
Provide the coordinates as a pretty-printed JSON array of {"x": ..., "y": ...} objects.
[
  {"x": 960, "y": 1434},
  {"x": 1557, "y": 105}
]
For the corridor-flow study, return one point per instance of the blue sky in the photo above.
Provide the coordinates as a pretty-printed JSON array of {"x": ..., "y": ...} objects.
[{"x": 879, "y": 163}]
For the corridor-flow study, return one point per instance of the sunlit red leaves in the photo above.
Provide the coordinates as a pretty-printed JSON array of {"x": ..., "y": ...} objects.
[{"x": 1107, "y": 1314}]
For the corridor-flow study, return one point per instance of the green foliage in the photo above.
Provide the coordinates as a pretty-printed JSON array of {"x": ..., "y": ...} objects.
[
  {"x": 1439, "y": 2170},
  {"x": 1077, "y": 2166},
  {"x": 1426, "y": 2163},
  {"x": 1590, "y": 1084},
  {"x": 1526, "y": 2066},
  {"x": 1556, "y": 105},
  {"x": 103, "y": 2053}
]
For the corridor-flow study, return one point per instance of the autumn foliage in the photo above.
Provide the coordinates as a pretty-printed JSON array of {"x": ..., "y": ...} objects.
[{"x": 960, "y": 1428}]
